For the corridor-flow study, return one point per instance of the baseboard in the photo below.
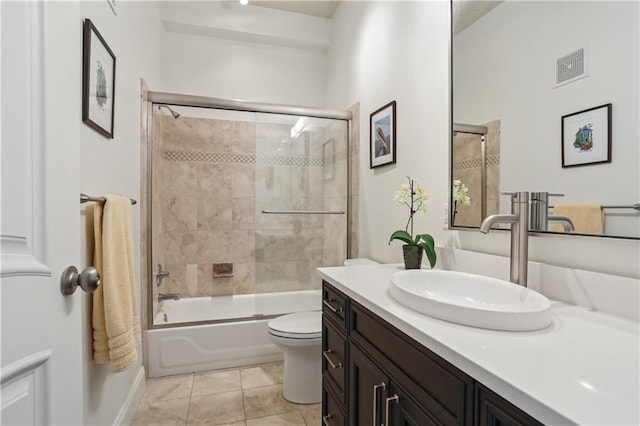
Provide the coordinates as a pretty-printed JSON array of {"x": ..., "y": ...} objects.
[{"x": 128, "y": 411}]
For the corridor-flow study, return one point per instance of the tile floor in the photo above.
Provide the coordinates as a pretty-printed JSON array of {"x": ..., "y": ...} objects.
[{"x": 247, "y": 396}]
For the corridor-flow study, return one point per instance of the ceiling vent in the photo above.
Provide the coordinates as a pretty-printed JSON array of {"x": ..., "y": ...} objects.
[{"x": 571, "y": 67}]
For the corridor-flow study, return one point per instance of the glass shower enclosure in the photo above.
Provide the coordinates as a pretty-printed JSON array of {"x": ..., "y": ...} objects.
[{"x": 243, "y": 203}]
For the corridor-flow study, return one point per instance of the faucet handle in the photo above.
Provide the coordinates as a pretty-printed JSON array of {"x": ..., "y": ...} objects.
[{"x": 517, "y": 196}]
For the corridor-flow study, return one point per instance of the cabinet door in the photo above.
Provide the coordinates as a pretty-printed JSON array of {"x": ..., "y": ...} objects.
[
  {"x": 403, "y": 411},
  {"x": 493, "y": 410},
  {"x": 367, "y": 390}
]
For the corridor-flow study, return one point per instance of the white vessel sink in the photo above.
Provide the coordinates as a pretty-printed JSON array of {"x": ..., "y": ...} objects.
[{"x": 471, "y": 299}]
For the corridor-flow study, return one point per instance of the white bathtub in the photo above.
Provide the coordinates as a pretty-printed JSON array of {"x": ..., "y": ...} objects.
[{"x": 238, "y": 337}]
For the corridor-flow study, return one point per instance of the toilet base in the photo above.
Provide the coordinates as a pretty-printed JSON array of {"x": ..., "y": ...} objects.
[{"x": 303, "y": 375}]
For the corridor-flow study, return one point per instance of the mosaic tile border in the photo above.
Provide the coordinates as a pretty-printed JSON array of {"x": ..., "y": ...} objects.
[
  {"x": 217, "y": 157},
  {"x": 492, "y": 160}
]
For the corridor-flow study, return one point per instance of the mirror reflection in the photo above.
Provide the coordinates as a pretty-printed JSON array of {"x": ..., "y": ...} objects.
[{"x": 539, "y": 76}]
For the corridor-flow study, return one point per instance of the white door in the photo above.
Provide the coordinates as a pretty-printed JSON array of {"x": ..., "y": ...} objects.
[{"x": 41, "y": 375}]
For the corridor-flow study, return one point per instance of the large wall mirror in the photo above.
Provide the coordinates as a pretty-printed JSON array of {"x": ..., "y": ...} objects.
[{"x": 545, "y": 99}]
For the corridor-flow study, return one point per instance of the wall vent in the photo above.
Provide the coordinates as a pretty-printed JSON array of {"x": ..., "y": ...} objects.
[{"x": 571, "y": 67}]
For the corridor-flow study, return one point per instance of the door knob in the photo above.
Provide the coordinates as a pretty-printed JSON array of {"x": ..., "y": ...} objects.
[{"x": 88, "y": 280}]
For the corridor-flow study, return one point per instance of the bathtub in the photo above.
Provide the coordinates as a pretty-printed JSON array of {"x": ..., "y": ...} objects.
[{"x": 235, "y": 333}]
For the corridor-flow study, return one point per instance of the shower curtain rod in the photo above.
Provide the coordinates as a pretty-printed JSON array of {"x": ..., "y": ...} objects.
[{"x": 240, "y": 105}]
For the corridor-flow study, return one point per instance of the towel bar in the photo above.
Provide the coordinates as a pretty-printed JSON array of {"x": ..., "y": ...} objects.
[
  {"x": 634, "y": 207},
  {"x": 84, "y": 198}
]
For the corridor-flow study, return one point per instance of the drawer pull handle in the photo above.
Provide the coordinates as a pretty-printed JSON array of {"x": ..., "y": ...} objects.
[
  {"x": 325, "y": 354},
  {"x": 395, "y": 398},
  {"x": 327, "y": 303},
  {"x": 325, "y": 419},
  {"x": 375, "y": 402}
]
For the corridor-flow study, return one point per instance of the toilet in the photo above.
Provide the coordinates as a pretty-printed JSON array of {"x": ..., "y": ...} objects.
[{"x": 299, "y": 335}]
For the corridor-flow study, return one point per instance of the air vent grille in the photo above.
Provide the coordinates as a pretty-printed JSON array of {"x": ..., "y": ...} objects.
[{"x": 571, "y": 67}]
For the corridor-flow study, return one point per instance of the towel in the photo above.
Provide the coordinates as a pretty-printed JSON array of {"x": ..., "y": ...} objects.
[
  {"x": 586, "y": 218},
  {"x": 116, "y": 325}
]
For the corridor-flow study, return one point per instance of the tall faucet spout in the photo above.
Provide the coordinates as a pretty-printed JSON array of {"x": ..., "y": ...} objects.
[
  {"x": 489, "y": 221},
  {"x": 518, "y": 219}
]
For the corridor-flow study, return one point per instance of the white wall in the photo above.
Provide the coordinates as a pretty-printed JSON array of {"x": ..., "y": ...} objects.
[
  {"x": 511, "y": 79},
  {"x": 384, "y": 51},
  {"x": 113, "y": 166},
  {"x": 209, "y": 66}
]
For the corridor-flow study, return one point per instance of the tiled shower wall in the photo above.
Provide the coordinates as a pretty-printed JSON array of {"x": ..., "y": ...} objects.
[
  {"x": 467, "y": 162},
  {"x": 211, "y": 180},
  {"x": 203, "y": 204}
]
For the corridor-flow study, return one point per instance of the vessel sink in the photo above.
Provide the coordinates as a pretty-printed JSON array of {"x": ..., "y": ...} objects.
[{"x": 473, "y": 300}]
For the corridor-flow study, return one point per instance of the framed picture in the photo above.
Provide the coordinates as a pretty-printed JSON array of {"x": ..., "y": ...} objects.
[
  {"x": 327, "y": 158},
  {"x": 382, "y": 131},
  {"x": 98, "y": 81},
  {"x": 586, "y": 137}
]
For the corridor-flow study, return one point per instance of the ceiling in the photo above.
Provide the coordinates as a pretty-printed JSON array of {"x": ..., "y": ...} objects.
[
  {"x": 318, "y": 8},
  {"x": 466, "y": 12}
]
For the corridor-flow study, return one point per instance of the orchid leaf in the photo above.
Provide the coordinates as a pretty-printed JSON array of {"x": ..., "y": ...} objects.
[
  {"x": 431, "y": 253},
  {"x": 429, "y": 247},
  {"x": 402, "y": 236}
]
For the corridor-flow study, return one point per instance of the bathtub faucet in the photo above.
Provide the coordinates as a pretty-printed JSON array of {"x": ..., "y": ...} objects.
[{"x": 168, "y": 296}]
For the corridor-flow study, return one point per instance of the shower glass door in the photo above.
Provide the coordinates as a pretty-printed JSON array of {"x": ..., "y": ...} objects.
[
  {"x": 300, "y": 201},
  {"x": 203, "y": 169}
]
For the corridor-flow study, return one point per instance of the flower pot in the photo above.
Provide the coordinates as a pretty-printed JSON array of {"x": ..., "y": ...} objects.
[{"x": 412, "y": 256}]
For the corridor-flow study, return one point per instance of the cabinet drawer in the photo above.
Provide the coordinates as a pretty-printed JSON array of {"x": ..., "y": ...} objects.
[
  {"x": 334, "y": 306},
  {"x": 445, "y": 392},
  {"x": 332, "y": 414},
  {"x": 334, "y": 357}
]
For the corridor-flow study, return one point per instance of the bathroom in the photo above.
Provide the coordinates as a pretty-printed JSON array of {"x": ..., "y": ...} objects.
[{"x": 336, "y": 65}]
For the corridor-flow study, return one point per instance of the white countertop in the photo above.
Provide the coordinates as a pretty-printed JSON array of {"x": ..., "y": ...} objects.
[{"x": 583, "y": 369}]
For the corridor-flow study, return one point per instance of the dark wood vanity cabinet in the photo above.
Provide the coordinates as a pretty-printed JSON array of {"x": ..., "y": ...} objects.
[{"x": 374, "y": 374}]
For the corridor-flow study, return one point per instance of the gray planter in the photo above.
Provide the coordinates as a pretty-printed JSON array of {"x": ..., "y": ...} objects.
[{"x": 412, "y": 256}]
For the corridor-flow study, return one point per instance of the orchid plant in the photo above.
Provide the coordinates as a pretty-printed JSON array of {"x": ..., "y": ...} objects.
[
  {"x": 460, "y": 197},
  {"x": 414, "y": 197}
]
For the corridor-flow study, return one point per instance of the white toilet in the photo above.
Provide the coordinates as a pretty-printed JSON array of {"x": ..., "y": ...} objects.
[{"x": 299, "y": 335}]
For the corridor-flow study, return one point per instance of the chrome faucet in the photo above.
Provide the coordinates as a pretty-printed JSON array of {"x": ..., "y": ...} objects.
[
  {"x": 168, "y": 296},
  {"x": 160, "y": 274},
  {"x": 540, "y": 216},
  {"x": 519, "y": 221}
]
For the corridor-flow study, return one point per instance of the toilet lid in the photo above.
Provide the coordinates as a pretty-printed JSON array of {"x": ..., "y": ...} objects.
[{"x": 300, "y": 325}]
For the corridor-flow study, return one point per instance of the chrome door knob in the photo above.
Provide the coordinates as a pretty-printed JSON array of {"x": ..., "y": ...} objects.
[{"x": 88, "y": 280}]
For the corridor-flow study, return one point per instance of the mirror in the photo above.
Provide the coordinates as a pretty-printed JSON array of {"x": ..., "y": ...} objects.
[{"x": 538, "y": 76}]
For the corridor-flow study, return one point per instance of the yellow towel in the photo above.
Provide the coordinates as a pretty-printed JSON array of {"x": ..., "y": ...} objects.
[
  {"x": 116, "y": 326},
  {"x": 586, "y": 218}
]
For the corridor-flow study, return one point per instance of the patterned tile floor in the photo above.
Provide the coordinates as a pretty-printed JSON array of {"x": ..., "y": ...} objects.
[{"x": 247, "y": 396}]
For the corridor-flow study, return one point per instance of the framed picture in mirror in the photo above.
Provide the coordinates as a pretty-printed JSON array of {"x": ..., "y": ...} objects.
[
  {"x": 586, "y": 137},
  {"x": 382, "y": 133}
]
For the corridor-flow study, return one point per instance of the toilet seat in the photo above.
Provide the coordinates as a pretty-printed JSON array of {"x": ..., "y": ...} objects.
[{"x": 299, "y": 325}]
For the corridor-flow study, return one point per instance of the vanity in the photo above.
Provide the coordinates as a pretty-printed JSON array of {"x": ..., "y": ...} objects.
[{"x": 385, "y": 364}]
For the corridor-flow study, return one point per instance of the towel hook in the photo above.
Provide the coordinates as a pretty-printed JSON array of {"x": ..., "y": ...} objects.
[{"x": 88, "y": 280}]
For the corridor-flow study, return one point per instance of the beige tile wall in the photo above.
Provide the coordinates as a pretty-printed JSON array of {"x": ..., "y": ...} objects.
[{"x": 467, "y": 166}]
